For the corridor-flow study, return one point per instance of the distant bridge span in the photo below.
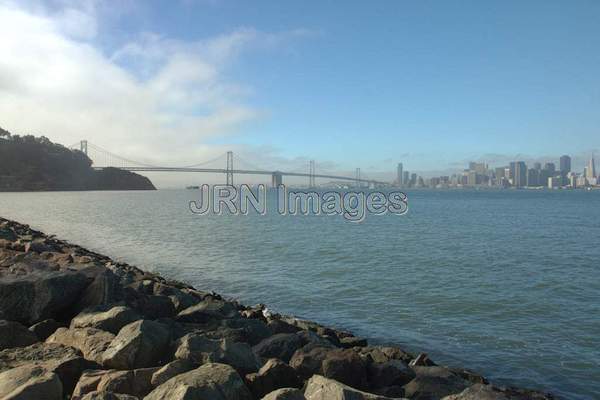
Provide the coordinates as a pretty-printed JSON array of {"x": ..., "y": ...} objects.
[
  {"x": 102, "y": 158},
  {"x": 276, "y": 175}
]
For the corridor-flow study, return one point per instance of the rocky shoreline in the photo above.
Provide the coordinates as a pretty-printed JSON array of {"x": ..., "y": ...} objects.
[{"x": 75, "y": 324}]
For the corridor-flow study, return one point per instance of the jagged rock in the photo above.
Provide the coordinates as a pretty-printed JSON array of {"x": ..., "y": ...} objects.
[
  {"x": 479, "y": 392},
  {"x": 281, "y": 346},
  {"x": 35, "y": 297},
  {"x": 351, "y": 341},
  {"x": 104, "y": 289},
  {"x": 434, "y": 382},
  {"x": 107, "y": 318},
  {"x": 138, "y": 345},
  {"x": 206, "y": 310},
  {"x": 108, "y": 396},
  {"x": 170, "y": 370},
  {"x": 135, "y": 382},
  {"x": 321, "y": 388},
  {"x": 91, "y": 342},
  {"x": 66, "y": 362},
  {"x": 345, "y": 366},
  {"x": 309, "y": 337},
  {"x": 199, "y": 349},
  {"x": 381, "y": 354},
  {"x": 180, "y": 299},
  {"x": 154, "y": 307},
  {"x": 13, "y": 334},
  {"x": 210, "y": 381},
  {"x": 273, "y": 375},
  {"x": 389, "y": 373},
  {"x": 285, "y": 394},
  {"x": 422, "y": 360},
  {"x": 307, "y": 360},
  {"x": 254, "y": 330},
  {"x": 279, "y": 326},
  {"x": 45, "y": 328},
  {"x": 30, "y": 382}
]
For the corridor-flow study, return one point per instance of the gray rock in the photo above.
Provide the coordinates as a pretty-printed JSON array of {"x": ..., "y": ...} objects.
[
  {"x": 91, "y": 342},
  {"x": 138, "y": 345},
  {"x": 35, "y": 297},
  {"x": 45, "y": 328},
  {"x": 107, "y": 318},
  {"x": 66, "y": 362},
  {"x": 307, "y": 360},
  {"x": 135, "y": 382},
  {"x": 199, "y": 349},
  {"x": 104, "y": 289},
  {"x": 345, "y": 366},
  {"x": 389, "y": 373},
  {"x": 381, "y": 354},
  {"x": 273, "y": 375},
  {"x": 321, "y": 388},
  {"x": 281, "y": 346},
  {"x": 285, "y": 394},
  {"x": 170, "y": 370},
  {"x": 479, "y": 392},
  {"x": 13, "y": 334},
  {"x": 206, "y": 310},
  {"x": 434, "y": 382},
  {"x": 351, "y": 341},
  {"x": 30, "y": 382},
  {"x": 108, "y": 396},
  {"x": 254, "y": 330},
  {"x": 210, "y": 381},
  {"x": 155, "y": 307}
]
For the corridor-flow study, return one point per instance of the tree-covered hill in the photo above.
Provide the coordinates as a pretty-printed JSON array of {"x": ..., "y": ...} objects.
[{"x": 29, "y": 163}]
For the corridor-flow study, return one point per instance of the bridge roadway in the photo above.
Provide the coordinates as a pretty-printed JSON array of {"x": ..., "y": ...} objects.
[{"x": 274, "y": 174}]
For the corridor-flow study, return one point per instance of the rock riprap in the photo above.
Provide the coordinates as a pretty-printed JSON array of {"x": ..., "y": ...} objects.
[{"x": 77, "y": 325}]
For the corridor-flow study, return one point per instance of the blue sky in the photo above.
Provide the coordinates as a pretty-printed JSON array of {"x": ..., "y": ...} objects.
[{"x": 429, "y": 83}]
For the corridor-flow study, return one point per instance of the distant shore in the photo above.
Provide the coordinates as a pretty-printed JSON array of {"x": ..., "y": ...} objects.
[{"x": 76, "y": 323}]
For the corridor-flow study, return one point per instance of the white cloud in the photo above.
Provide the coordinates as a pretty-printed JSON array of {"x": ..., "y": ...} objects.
[{"x": 152, "y": 99}]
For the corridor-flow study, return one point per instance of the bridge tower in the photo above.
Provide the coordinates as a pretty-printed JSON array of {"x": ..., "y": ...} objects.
[
  {"x": 311, "y": 179},
  {"x": 83, "y": 147},
  {"x": 276, "y": 179},
  {"x": 358, "y": 177},
  {"x": 229, "y": 168}
]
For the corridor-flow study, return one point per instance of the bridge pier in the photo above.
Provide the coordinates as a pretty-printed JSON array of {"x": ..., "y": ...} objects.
[{"x": 276, "y": 179}]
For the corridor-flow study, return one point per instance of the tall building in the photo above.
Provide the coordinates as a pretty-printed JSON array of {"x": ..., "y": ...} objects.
[
  {"x": 537, "y": 166},
  {"x": 405, "y": 178},
  {"x": 590, "y": 172},
  {"x": 565, "y": 165},
  {"x": 520, "y": 179},
  {"x": 533, "y": 177},
  {"x": 550, "y": 167},
  {"x": 400, "y": 176}
]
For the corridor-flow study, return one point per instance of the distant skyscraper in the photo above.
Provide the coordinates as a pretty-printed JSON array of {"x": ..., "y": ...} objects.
[
  {"x": 520, "y": 174},
  {"x": 550, "y": 167},
  {"x": 590, "y": 172},
  {"x": 400, "y": 175},
  {"x": 537, "y": 166},
  {"x": 405, "y": 178},
  {"x": 533, "y": 177},
  {"x": 565, "y": 165}
]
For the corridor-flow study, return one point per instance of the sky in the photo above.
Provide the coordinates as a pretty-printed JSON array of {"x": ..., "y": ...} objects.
[{"x": 431, "y": 84}]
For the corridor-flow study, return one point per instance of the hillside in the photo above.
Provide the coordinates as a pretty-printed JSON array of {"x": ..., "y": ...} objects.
[{"x": 29, "y": 163}]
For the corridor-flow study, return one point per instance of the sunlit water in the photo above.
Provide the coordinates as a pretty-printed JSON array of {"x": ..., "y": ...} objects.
[{"x": 506, "y": 282}]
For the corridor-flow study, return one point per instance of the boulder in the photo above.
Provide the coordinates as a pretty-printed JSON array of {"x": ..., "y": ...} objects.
[
  {"x": 422, "y": 360},
  {"x": 170, "y": 370},
  {"x": 350, "y": 341},
  {"x": 91, "y": 342},
  {"x": 154, "y": 307},
  {"x": 211, "y": 381},
  {"x": 279, "y": 326},
  {"x": 285, "y": 394},
  {"x": 273, "y": 375},
  {"x": 139, "y": 344},
  {"x": 281, "y": 346},
  {"x": 389, "y": 373},
  {"x": 13, "y": 334},
  {"x": 254, "y": 330},
  {"x": 321, "y": 388},
  {"x": 66, "y": 362},
  {"x": 35, "y": 297},
  {"x": 479, "y": 392},
  {"x": 434, "y": 382},
  {"x": 104, "y": 289},
  {"x": 381, "y": 354},
  {"x": 135, "y": 382},
  {"x": 206, "y": 310},
  {"x": 199, "y": 349},
  {"x": 45, "y": 328},
  {"x": 107, "y": 318},
  {"x": 107, "y": 396},
  {"x": 307, "y": 360},
  {"x": 30, "y": 382},
  {"x": 345, "y": 366}
]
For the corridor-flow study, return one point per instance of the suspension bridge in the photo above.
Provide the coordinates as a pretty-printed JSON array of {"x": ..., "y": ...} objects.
[{"x": 102, "y": 158}]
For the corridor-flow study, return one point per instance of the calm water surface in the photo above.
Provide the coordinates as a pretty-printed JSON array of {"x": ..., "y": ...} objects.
[{"x": 506, "y": 283}]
